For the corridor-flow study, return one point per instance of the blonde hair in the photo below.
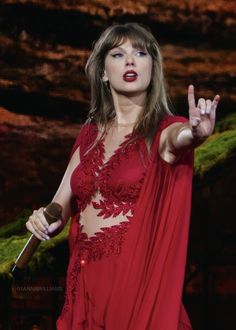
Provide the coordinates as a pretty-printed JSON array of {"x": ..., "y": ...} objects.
[{"x": 102, "y": 108}]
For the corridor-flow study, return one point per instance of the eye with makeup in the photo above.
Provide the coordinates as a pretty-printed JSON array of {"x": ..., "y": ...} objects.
[
  {"x": 138, "y": 53},
  {"x": 141, "y": 53},
  {"x": 117, "y": 55}
]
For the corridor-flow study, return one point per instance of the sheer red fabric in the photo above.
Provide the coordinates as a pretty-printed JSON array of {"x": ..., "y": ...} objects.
[
  {"x": 118, "y": 180},
  {"x": 133, "y": 279}
]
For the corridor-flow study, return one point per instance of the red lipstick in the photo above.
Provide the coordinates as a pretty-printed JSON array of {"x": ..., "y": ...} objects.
[{"x": 130, "y": 76}]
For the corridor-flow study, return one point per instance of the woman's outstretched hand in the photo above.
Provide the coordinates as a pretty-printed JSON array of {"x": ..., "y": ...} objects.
[{"x": 201, "y": 117}]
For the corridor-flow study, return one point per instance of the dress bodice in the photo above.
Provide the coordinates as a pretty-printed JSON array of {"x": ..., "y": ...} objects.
[{"x": 111, "y": 187}]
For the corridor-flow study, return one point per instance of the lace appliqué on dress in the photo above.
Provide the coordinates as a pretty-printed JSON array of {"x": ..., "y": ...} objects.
[
  {"x": 104, "y": 244},
  {"x": 122, "y": 199},
  {"x": 93, "y": 175}
]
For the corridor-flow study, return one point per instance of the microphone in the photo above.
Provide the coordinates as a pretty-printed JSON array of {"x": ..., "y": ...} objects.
[{"x": 52, "y": 213}]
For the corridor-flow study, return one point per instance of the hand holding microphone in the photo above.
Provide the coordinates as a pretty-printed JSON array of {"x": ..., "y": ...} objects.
[{"x": 41, "y": 223}]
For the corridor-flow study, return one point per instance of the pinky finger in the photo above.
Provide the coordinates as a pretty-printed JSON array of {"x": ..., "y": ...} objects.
[
  {"x": 214, "y": 106},
  {"x": 215, "y": 101}
]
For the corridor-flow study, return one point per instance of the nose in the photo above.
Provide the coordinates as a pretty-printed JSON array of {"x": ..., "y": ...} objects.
[{"x": 130, "y": 60}]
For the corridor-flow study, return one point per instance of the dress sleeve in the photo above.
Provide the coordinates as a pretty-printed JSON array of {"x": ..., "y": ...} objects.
[
  {"x": 83, "y": 139},
  {"x": 168, "y": 120},
  {"x": 78, "y": 140},
  {"x": 188, "y": 154}
]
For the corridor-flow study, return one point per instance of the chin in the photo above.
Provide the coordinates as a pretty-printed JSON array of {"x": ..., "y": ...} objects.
[
  {"x": 132, "y": 93},
  {"x": 132, "y": 89}
]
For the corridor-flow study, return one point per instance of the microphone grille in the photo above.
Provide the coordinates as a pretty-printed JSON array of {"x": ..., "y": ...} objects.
[{"x": 53, "y": 210}]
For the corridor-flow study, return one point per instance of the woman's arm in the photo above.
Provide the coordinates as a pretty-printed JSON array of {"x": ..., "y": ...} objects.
[
  {"x": 179, "y": 136},
  {"x": 37, "y": 223}
]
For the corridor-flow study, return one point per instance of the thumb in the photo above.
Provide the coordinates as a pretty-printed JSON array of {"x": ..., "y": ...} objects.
[
  {"x": 54, "y": 226},
  {"x": 194, "y": 121}
]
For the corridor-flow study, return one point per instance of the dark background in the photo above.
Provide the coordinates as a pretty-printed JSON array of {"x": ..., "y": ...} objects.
[{"x": 44, "y": 97}]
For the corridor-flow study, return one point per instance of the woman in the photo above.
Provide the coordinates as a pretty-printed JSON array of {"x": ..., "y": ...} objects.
[{"x": 127, "y": 189}]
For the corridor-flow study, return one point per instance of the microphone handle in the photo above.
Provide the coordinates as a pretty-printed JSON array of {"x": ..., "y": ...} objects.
[{"x": 52, "y": 213}]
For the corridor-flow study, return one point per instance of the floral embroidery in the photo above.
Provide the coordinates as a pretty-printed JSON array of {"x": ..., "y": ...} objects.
[
  {"x": 104, "y": 244},
  {"x": 94, "y": 176},
  {"x": 117, "y": 198}
]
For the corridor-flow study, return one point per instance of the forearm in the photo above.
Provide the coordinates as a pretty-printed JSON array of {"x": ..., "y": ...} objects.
[
  {"x": 184, "y": 137},
  {"x": 37, "y": 223},
  {"x": 66, "y": 209},
  {"x": 63, "y": 195}
]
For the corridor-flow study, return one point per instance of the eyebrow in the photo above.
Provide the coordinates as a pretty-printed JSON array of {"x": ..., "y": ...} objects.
[
  {"x": 122, "y": 49},
  {"x": 118, "y": 47}
]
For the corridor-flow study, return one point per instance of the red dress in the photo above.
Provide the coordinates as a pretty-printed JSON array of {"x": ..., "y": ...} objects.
[{"x": 129, "y": 276}]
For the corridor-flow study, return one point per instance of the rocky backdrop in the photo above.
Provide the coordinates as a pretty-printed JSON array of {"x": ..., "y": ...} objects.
[
  {"x": 44, "y": 98},
  {"x": 44, "y": 94}
]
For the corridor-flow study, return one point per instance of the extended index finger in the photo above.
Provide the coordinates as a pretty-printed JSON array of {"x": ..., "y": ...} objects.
[{"x": 191, "y": 97}]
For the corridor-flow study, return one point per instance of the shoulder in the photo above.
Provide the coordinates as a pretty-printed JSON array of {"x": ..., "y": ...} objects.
[
  {"x": 87, "y": 130},
  {"x": 87, "y": 134}
]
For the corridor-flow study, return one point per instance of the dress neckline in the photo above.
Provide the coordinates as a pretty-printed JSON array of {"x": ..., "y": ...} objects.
[{"x": 121, "y": 148}]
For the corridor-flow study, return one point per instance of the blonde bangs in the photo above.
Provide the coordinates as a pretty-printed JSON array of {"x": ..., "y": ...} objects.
[{"x": 118, "y": 36}]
